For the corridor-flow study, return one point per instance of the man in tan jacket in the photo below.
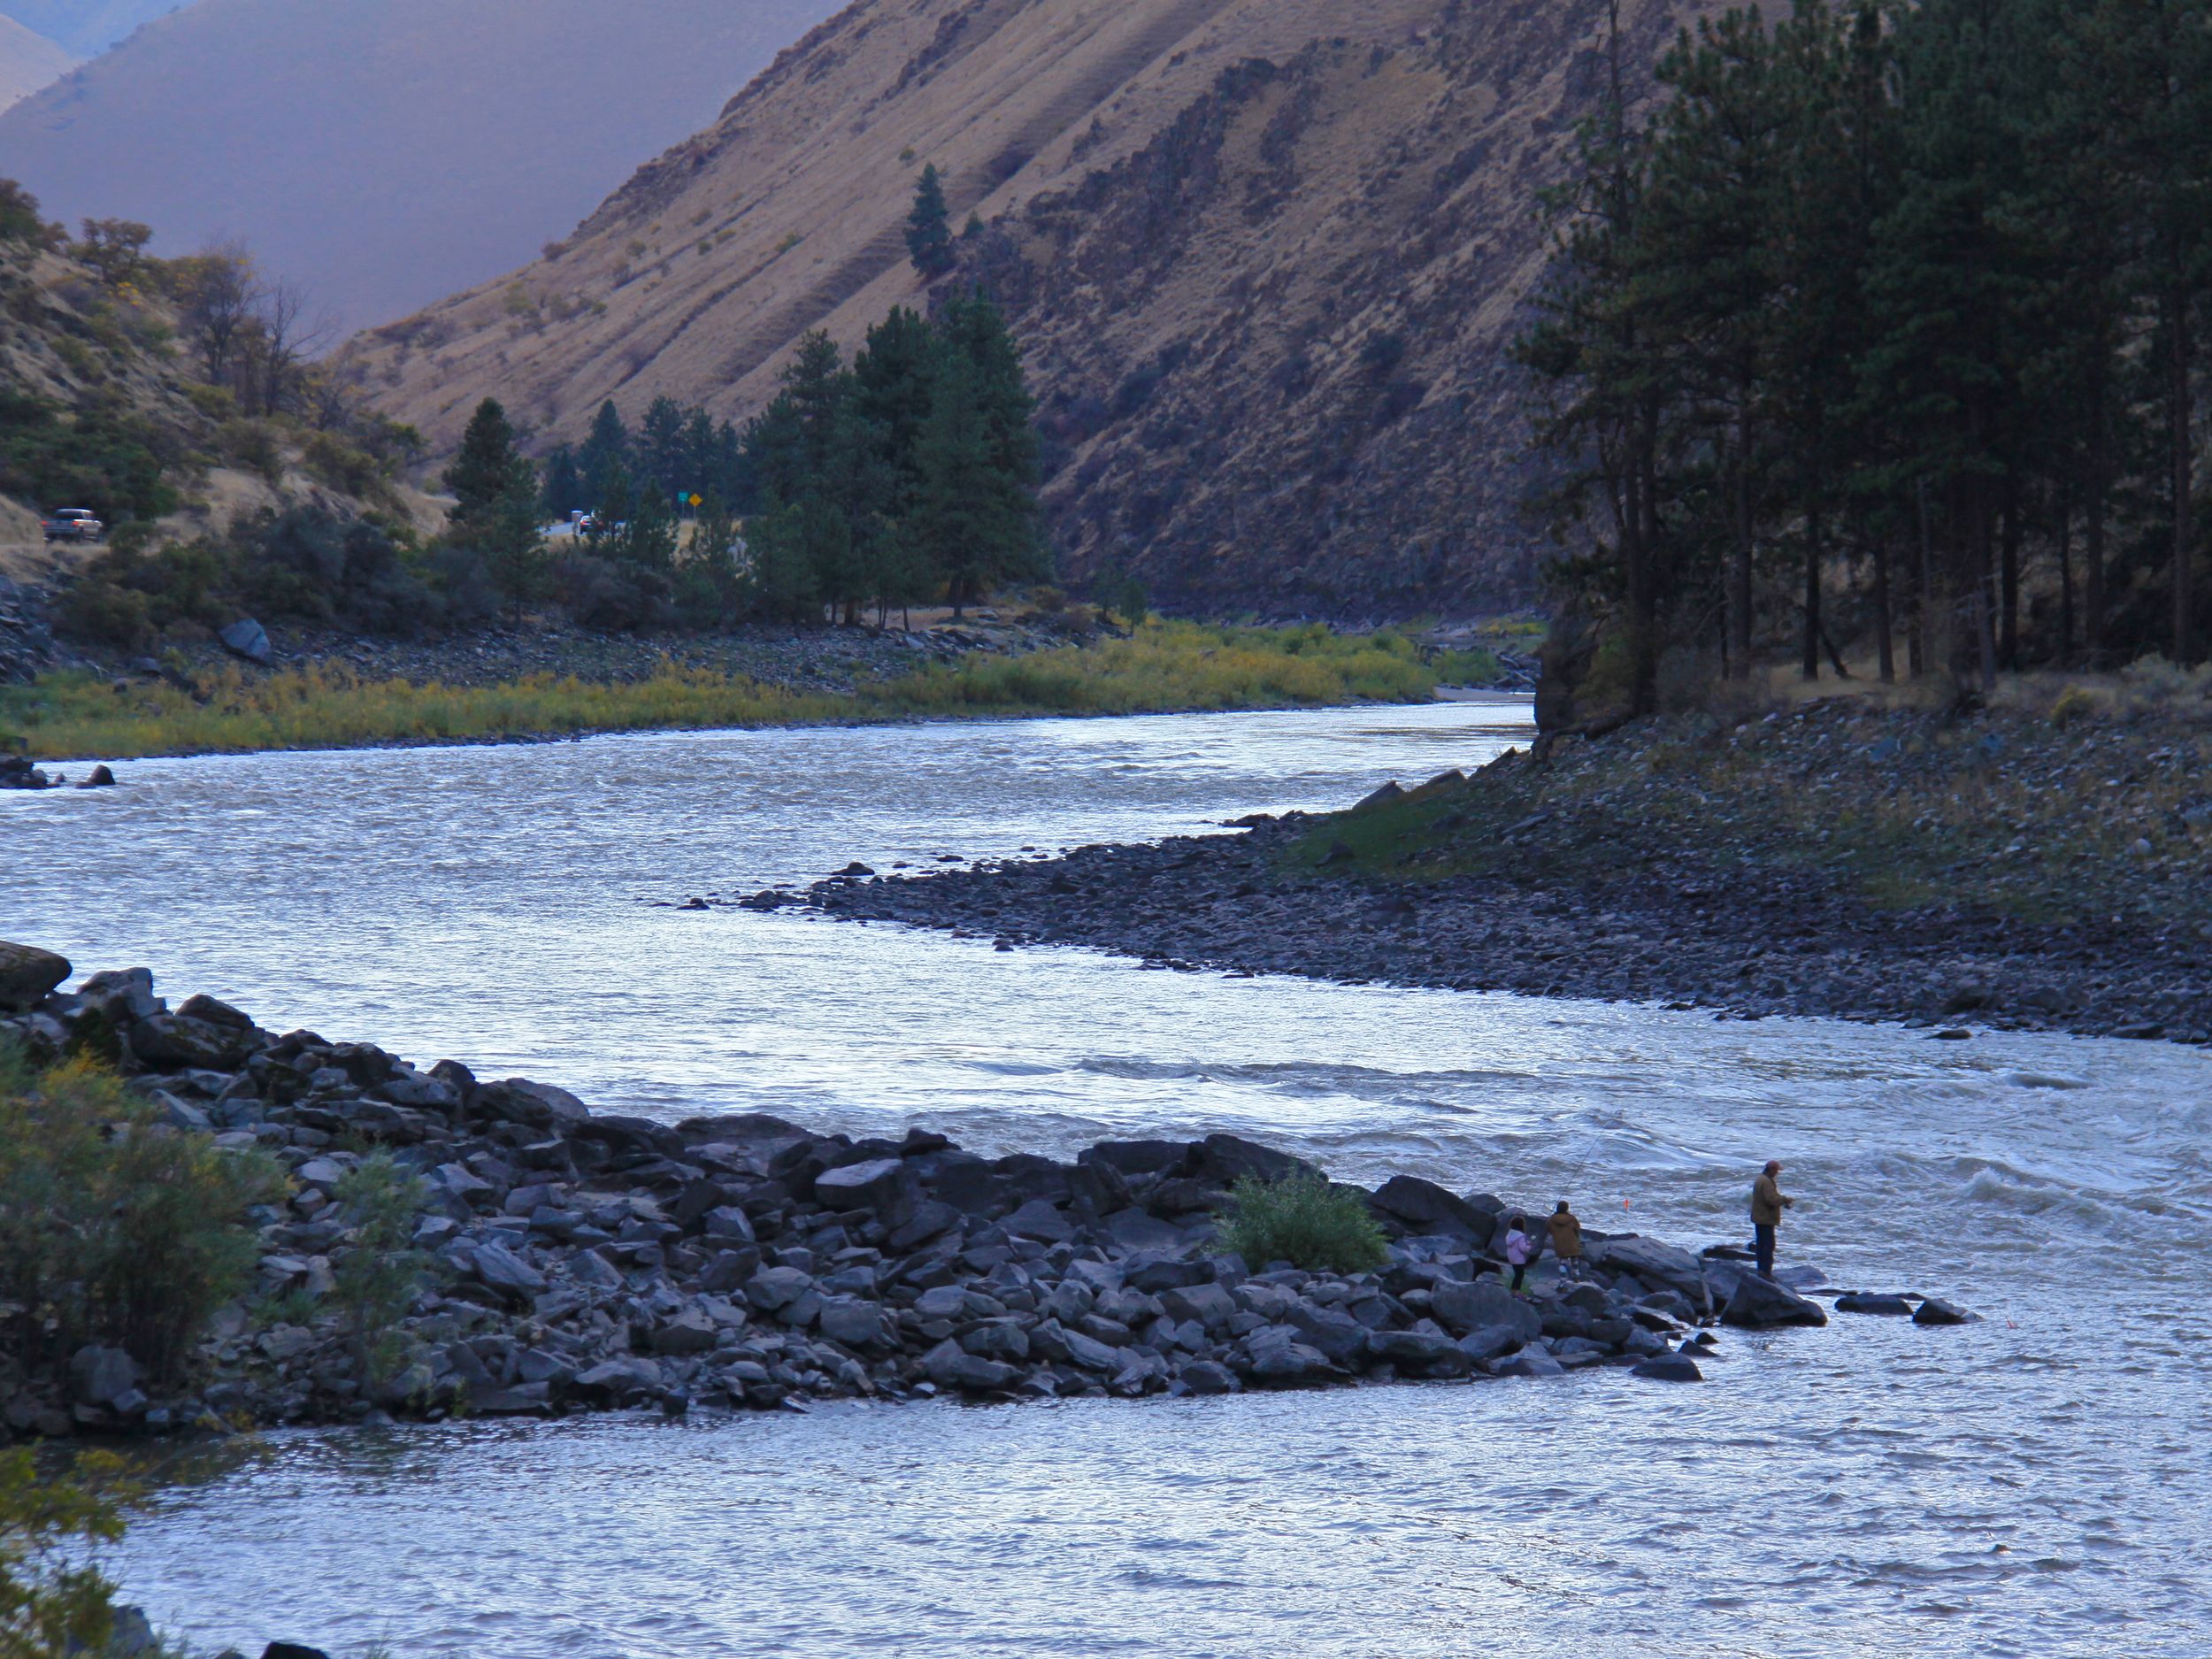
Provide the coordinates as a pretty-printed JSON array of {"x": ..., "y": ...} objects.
[{"x": 1767, "y": 1205}]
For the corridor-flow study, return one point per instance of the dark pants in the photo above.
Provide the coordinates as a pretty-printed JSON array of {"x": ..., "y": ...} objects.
[
  {"x": 1520, "y": 1273},
  {"x": 1763, "y": 1231}
]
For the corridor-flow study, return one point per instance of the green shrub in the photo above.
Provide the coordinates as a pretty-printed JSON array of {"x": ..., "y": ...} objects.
[
  {"x": 114, "y": 1228},
  {"x": 54, "y": 1598},
  {"x": 1305, "y": 1221},
  {"x": 379, "y": 1277},
  {"x": 252, "y": 444},
  {"x": 95, "y": 611}
]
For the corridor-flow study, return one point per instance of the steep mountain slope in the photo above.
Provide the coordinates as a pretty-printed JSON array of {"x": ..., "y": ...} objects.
[
  {"x": 88, "y": 28},
  {"x": 383, "y": 152},
  {"x": 1266, "y": 257},
  {"x": 28, "y": 62}
]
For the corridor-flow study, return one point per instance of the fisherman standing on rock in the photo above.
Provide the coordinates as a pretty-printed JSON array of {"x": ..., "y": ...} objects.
[{"x": 1767, "y": 1205}]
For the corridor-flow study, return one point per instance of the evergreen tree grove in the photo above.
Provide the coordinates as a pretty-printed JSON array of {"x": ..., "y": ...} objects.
[{"x": 1887, "y": 321}]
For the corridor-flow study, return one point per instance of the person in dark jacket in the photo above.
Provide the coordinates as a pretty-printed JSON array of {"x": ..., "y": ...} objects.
[
  {"x": 1767, "y": 1205},
  {"x": 1566, "y": 1239}
]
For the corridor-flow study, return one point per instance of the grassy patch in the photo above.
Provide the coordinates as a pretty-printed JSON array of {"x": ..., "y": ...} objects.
[
  {"x": 1165, "y": 666},
  {"x": 1906, "y": 811}
]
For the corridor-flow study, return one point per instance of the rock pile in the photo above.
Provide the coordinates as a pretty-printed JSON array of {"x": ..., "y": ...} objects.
[{"x": 589, "y": 1260}]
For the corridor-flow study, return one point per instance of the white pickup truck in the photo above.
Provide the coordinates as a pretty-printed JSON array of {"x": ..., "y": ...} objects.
[{"x": 74, "y": 524}]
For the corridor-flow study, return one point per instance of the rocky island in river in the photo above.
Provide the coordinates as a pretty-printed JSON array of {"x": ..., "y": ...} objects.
[{"x": 579, "y": 1260}]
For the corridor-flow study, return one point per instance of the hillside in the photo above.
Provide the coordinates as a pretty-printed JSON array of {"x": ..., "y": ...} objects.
[
  {"x": 1266, "y": 256},
  {"x": 28, "y": 62},
  {"x": 383, "y": 152},
  {"x": 88, "y": 28}
]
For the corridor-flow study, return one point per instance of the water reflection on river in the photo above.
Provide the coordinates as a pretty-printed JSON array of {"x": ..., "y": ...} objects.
[{"x": 2031, "y": 1484}]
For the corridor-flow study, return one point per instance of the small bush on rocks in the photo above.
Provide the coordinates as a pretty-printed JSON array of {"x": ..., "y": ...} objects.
[
  {"x": 114, "y": 1228},
  {"x": 377, "y": 1278},
  {"x": 1306, "y": 1222}
]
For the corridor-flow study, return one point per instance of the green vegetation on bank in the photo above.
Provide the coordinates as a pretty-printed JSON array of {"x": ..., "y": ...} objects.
[
  {"x": 1163, "y": 666},
  {"x": 54, "y": 1599},
  {"x": 2063, "y": 803}
]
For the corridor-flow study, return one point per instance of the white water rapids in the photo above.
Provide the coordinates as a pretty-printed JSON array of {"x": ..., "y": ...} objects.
[{"x": 2033, "y": 1485}]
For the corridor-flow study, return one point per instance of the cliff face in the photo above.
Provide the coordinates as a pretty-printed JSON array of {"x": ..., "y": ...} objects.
[
  {"x": 380, "y": 153},
  {"x": 1266, "y": 256}
]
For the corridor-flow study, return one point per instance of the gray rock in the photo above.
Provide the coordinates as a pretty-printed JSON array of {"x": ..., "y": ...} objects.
[
  {"x": 1761, "y": 1305},
  {"x": 28, "y": 974},
  {"x": 1275, "y": 1355},
  {"x": 503, "y": 1270},
  {"x": 534, "y": 1105},
  {"x": 950, "y": 1366},
  {"x": 1463, "y": 1308},
  {"x": 689, "y": 1332},
  {"x": 1935, "y": 1310},
  {"x": 880, "y": 1184},
  {"x": 1208, "y": 1376},
  {"x": 1423, "y": 1352},
  {"x": 171, "y": 1039},
  {"x": 1141, "y": 1231},
  {"x": 1152, "y": 1274},
  {"x": 853, "y": 1324},
  {"x": 1893, "y": 1307},
  {"x": 1650, "y": 1261},
  {"x": 996, "y": 1339},
  {"x": 777, "y": 1287},
  {"x": 1490, "y": 1342},
  {"x": 1040, "y": 1220},
  {"x": 248, "y": 639},
  {"x": 621, "y": 1381},
  {"x": 1339, "y": 1337},
  {"x": 594, "y": 1270},
  {"x": 1210, "y": 1305},
  {"x": 1426, "y": 1208},
  {"x": 1668, "y": 1368},
  {"x": 100, "y": 1376},
  {"x": 1526, "y": 1364}
]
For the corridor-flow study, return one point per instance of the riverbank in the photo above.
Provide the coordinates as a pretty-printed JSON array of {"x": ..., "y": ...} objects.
[
  {"x": 2001, "y": 869},
  {"x": 1163, "y": 667},
  {"x": 574, "y": 1260}
]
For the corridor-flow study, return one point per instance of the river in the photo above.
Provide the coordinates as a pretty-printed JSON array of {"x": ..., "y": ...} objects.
[{"x": 2031, "y": 1484}]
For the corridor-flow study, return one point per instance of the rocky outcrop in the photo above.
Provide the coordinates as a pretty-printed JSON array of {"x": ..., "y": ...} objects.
[{"x": 584, "y": 1261}]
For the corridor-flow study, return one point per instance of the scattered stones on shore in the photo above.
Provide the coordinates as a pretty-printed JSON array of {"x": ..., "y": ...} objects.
[
  {"x": 595, "y": 1261},
  {"x": 1585, "y": 898}
]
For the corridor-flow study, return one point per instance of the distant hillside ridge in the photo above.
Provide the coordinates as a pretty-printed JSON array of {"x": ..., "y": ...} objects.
[
  {"x": 380, "y": 153},
  {"x": 28, "y": 61},
  {"x": 87, "y": 27},
  {"x": 1267, "y": 258}
]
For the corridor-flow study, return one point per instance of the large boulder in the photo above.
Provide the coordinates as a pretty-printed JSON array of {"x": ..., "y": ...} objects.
[
  {"x": 174, "y": 1040},
  {"x": 1221, "y": 1160},
  {"x": 883, "y": 1185},
  {"x": 101, "y": 1376},
  {"x": 1935, "y": 1310},
  {"x": 248, "y": 639},
  {"x": 1669, "y": 1368},
  {"x": 1136, "y": 1157},
  {"x": 1485, "y": 1304},
  {"x": 1650, "y": 1261},
  {"x": 1421, "y": 1352},
  {"x": 534, "y": 1105},
  {"x": 1425, "y": 1208},
  {"x": 28, "y": 974},
  {"x": 1761, "y": 1304},
  {"x": 950, "y": 1366}
]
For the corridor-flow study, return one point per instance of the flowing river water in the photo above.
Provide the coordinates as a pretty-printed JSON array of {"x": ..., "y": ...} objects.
[{"x": 2035, "y": 1484}]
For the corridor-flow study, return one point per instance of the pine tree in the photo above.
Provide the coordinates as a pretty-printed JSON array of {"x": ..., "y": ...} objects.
[
  {"x": 894, "y": 374},
  {"x": 488, "y": 470},
  {"x": 605, "y": 451},
  {"x": 564, "y": 483},
  {"x": 514, "y": 552},
  {"x": 661, "y": 445},
  {"x": 929, "y": 227}
]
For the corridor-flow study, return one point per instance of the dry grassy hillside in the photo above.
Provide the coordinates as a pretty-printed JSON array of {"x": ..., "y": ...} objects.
[
  {"x": 28, "y": 62},
  {"x": 88, "y": 28},
  {"x": 1266, "y": 256},
  {"x": 383, "y": 152}
]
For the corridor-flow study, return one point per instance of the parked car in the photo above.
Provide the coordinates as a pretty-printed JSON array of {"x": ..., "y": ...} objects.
[{"x": 74, "y": 524}]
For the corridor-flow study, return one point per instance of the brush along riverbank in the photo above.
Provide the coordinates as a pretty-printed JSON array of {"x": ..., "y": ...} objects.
[
  {"x": 1164, "y": 667},
  {"x": 426, "y": 1243},
  {"x": 2012, "y": 869}
]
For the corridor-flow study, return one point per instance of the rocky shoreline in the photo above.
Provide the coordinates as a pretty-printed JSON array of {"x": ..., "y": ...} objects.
[
  {"x": 1580, "y": 898},
  {"x": 582, "y": 1260}
]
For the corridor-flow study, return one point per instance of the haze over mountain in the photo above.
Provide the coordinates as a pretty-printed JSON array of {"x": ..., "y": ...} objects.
[
  {"x": 28, "y": 61},
  {"x": 1266, "y": 256},
  {"x": 383, "y": 152},
  {"x": 87, "y": 27}
]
